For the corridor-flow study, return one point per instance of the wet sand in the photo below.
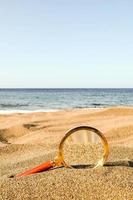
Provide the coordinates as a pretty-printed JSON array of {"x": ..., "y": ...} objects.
[{"x": 27, "y": 140}]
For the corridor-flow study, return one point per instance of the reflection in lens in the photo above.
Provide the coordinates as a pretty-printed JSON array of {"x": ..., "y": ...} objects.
[{"x": 83, "y": 148}]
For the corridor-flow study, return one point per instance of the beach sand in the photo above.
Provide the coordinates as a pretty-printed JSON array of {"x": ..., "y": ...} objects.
[{"x": 29, "y": 139}]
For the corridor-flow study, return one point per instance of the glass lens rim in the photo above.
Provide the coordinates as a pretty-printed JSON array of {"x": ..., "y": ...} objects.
[{"x": 97, "y": 132}]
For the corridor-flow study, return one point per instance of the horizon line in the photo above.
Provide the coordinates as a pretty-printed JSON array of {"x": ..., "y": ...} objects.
[{"x": 6, "y": 88}]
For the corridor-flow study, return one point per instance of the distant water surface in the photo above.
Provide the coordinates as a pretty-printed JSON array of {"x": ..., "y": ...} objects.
[{"x": 57, "y": 99}]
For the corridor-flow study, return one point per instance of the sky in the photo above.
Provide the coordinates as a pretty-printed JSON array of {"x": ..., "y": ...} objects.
[{"x": 66, "y": 43}]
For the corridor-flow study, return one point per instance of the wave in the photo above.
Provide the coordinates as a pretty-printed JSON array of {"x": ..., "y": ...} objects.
[
  {"x": 98, "y": 104},
  {"x": 93, "y": 105},
  {"x": 6, "y": 105}
]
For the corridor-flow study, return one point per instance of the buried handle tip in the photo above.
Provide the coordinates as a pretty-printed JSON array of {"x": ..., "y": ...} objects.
[{"x": 40, "y": 168}]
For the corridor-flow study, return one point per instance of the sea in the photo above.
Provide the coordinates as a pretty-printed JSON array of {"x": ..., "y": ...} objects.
[{"x": 27, "y": 100}]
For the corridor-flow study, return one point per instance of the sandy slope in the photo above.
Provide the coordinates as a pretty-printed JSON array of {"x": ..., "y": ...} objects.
[{"x": 27, "y": 140}]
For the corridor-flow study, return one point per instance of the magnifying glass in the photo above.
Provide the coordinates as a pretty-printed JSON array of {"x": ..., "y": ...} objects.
[{"x": 81, "y": 147}]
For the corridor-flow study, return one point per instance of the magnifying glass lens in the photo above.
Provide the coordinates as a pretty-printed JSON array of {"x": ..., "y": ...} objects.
[{"x": 82, "y": 148}]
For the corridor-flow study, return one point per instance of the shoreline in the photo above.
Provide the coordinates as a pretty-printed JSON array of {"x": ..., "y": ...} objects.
[
  {"x": 62, "y": 109},
  {"x": 46, "y": 110},
  {"x": 10, "y": 111}
]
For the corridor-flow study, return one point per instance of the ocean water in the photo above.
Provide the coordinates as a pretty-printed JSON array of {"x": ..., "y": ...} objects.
[{"x": 23, "y": 100}]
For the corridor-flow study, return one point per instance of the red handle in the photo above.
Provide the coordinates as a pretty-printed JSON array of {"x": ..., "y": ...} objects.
[{"x": 40, "y": 168}]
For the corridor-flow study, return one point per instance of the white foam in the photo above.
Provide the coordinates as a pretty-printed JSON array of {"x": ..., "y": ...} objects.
[{"x": 25, "y": 111}]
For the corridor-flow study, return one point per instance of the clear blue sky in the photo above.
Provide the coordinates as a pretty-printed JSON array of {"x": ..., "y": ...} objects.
[{"x": 66, "y": 43}]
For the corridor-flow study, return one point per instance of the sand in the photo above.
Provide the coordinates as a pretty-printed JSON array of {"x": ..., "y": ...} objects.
[{"x": 29, "y": 139}]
